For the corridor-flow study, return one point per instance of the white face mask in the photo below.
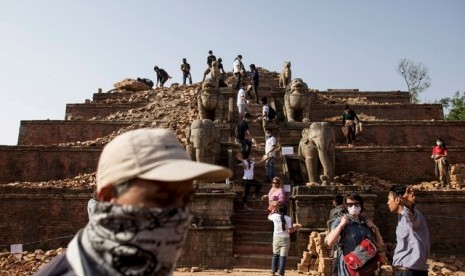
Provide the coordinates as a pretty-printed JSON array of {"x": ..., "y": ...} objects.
[
  {"x": 353, "y": 210},
  {"x": 439, "y": 143}
]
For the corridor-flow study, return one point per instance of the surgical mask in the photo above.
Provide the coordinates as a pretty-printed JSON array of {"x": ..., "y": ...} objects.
[
  {"x": 136, "y": 241},
  {"x": 354, "y": 210},
  {"x": 439, "y": 143}
]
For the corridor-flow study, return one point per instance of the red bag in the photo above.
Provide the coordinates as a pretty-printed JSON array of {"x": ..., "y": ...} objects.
[{"x": 364, "y": 260}]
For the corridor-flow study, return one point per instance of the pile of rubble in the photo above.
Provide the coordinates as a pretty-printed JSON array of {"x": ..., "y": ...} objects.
[
  {"x": 322, "y": 98},
  {"x": 361, "y": 179},
  {"x": 82, "y": 181},
  {"x": 26, "y": 263}
]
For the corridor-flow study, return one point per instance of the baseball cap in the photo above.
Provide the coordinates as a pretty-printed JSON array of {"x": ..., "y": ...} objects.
[{"x": 151, "y": 154}]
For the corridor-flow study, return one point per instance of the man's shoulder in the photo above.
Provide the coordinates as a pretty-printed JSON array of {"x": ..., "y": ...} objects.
[{"x": 58, "y": 266}]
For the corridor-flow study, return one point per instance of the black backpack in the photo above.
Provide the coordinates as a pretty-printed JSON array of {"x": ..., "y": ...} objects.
[{"x": 271, "y": 113}]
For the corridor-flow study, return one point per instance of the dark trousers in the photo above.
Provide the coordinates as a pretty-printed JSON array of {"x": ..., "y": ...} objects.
[
  {"x": 238, "y": 78},
  {"x": 248, "y": 184},
  {"x": 278, "y": 261},
  {"x": 351, "y": 134},
  {"x": 246, "y": 146},
  {"x": 255, "y": 91},
  {"x": 186, "y": 76}
]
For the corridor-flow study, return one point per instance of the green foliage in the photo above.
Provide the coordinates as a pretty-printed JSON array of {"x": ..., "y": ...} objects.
[
  {"x": 456, "y": 106},
  {"x": 416, "y": 76}
]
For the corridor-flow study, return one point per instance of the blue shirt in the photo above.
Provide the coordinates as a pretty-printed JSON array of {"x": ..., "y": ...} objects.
[{"x": 412, "y": 249}]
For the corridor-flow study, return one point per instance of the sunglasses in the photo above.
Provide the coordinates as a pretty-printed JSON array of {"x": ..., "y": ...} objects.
[{"x": 350, "y": 204}]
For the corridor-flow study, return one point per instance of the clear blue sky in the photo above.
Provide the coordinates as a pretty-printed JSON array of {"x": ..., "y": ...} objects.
[{"x": 54, "y": 52}]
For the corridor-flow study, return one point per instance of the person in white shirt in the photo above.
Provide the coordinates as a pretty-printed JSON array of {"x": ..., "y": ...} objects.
[
  {"x": 270, "y": 148},
  {"x": 238, "y": 70},
  {"x": 249, "y": 181},
  {"x": 242, "y": 101},
  {"x": 281, "y": 239}
]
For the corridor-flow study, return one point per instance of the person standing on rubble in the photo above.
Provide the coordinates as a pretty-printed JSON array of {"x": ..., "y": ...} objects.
[
  {"x": 210, "y": 59},
  {"x": 441, "y": 164},
  {"x": 144, "y": 186},
  {"x": 186, "y": 71}
]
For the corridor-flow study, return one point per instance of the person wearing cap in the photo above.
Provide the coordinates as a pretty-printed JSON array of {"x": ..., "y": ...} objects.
[
  {"x": 162, "y": 76},
  {"x": 141, "y": 219},
  {"x": 186, "y": 71},
  {"x": 238, "y": 70}
]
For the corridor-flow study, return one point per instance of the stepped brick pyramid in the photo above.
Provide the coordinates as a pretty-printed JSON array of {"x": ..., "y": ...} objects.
[{"x": 395, "y": 145}]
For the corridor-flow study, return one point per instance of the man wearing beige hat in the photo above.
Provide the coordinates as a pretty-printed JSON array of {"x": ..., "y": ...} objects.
[{"x": 144, "y": 183}]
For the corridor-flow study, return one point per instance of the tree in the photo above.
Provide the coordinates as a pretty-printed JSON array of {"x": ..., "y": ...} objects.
[
  {"x": 456, "y": 105},
  {"x": 416, "y": 76}
]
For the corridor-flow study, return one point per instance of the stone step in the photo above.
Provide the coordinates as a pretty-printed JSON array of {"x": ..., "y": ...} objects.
[
  {"x": 259, "y": 261},
  {"x": 102, "y": 110},
  {"x": 247, "y": 225},
  {"x": 398, "y": 132},
  {"x": 384, "y": 133},
  {"x": 42, "y": 163},
  {"x": 254, "y": 236},
  {"x": 262, "y": 248},
  {"x": 48, "y": 132},
  {"x": 375, "y": 96}
]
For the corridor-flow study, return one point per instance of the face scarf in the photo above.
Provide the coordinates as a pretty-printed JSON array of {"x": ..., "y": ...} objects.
[{"x": 125, "y": 240}]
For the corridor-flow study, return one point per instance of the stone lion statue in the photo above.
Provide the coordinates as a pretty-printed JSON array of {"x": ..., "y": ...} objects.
[
  {"x": 209, "y": 102},
  {"x": 286, "y": 75},
  {"x": 297, "y": 100}
]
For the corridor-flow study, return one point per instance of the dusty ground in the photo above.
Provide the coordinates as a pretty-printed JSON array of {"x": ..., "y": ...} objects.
[{"x": 238, "y": 271}]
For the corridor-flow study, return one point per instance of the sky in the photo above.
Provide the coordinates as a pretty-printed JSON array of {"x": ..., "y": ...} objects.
[{"x": 54, "y": 52}]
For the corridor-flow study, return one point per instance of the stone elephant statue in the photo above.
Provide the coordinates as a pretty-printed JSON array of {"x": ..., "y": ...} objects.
[
  {"x": 203, "y": 143},
  {"x": 297, "y": 100},
  {"x": 317, "y": 150},
  {"x": 210, "y": 102}
]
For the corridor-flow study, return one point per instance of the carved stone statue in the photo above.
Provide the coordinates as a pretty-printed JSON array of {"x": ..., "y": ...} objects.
[
  {"x": 297, "y": 101},
  {"x": 215, "y": 74},
  {"x": 210, "y": 102},
  {"x": 317, "y": 150},
  {"x": 286, "y": 75},
  {"x": 203, "y": 141}
]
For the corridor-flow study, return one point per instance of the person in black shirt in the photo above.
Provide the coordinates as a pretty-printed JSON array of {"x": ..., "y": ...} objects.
[
  {"x": 210, "y": 59},
  {"x": 162, "y": 76},
  {"x": 242, "y": 130},
  {"x": 186, "y": 72}
]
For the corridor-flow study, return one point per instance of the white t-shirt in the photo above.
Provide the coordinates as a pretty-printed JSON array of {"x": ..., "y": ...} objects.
[
  {"x": 270, "y": 142},
  {"x": 278, "y": 228},
  {"x": 248, "y": 173},
  {"x": 265, "y": 111},
  {"x": 237, "y": 66},
  {"x": 241, "y": 96}
]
